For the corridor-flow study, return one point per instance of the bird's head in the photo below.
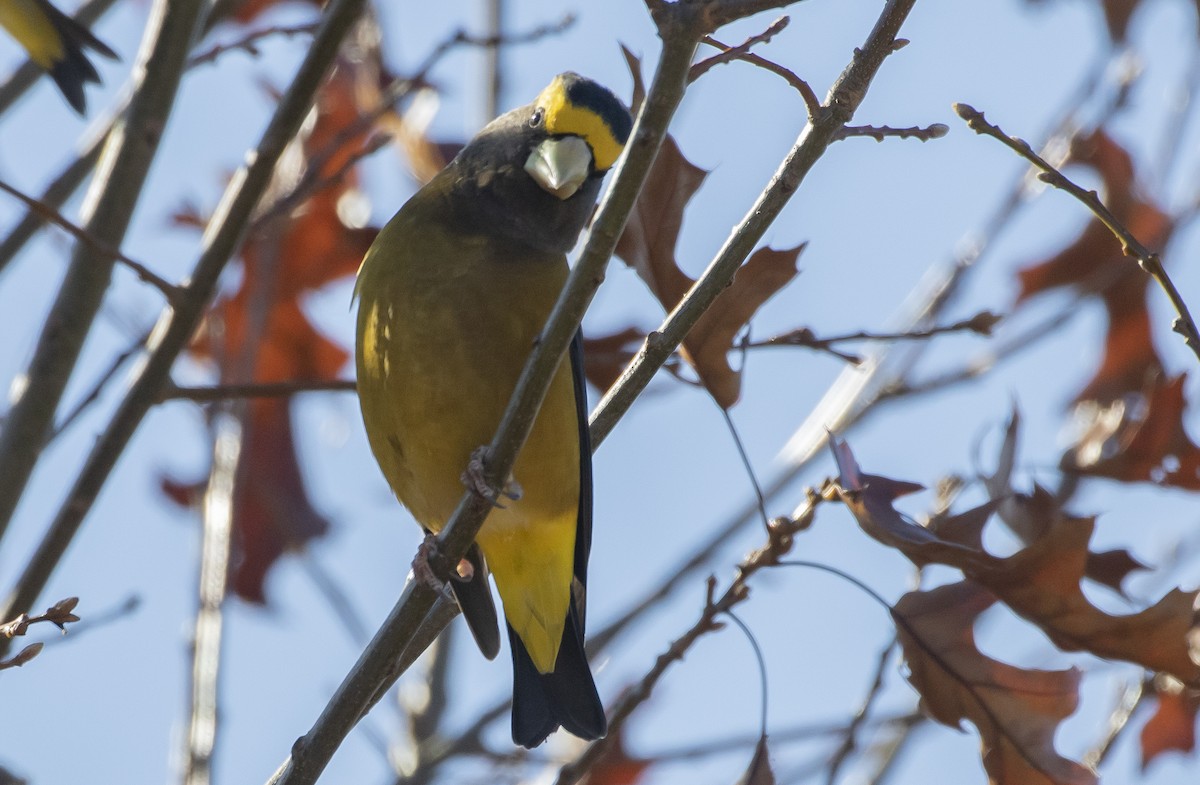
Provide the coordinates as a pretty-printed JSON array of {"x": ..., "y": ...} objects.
[
  {"x": 533, "y": 174},
  {"x": 583, "y": 128}
]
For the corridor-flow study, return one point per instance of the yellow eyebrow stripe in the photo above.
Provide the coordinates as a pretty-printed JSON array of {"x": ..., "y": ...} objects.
[{"x": 563, "y": 117}]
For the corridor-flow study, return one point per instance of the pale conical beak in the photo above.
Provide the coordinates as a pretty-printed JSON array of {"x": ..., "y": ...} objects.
[{"x": 560, "y": 165}]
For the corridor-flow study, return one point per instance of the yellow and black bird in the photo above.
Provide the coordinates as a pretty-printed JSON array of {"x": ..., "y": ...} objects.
[
  {"x": 56, "y": 43},
  {"x": 453, "y": 294}
]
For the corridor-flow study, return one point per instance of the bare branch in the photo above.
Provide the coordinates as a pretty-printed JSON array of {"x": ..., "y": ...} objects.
[
  {"x": 811, "y": 102},
  {"x": 222, "y": 392},
  {"x": 1148, "y": 260},
  {"x": 178, "y": 325},
  {"x": 850, "y": 736},
  {"x": 729, "y": 53},
  {"x": 881, "y": 132},
  {"x": 982, "y": 323},
  {"x": 845, "y": 96},
  {"x": 129, "y": 154},
  {"x": 48, "y": 213},
  {"x": 249, "y": 42}
]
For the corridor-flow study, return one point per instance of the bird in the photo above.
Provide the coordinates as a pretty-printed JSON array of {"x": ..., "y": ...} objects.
[
  {"x": 55, "y": 43},
  {"x": 452, "y": 296}
]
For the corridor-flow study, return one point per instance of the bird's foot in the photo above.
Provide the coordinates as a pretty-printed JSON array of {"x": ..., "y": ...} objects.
[
  {"x": 475, "y": 479},
  {"x": 427, "y": 563}
]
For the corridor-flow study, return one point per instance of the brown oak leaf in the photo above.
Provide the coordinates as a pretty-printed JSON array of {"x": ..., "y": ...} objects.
[
  {"x": 1172, "y": 727},
  {"x": 648, "y": 246},
  {"x": 1015, "y": 710},
  {"x": 1040, "y": 582},
  {"x": 1140, "y": 438}
]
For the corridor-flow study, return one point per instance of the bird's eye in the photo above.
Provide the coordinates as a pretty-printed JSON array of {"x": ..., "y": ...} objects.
[{"x": 539, "y": 115}]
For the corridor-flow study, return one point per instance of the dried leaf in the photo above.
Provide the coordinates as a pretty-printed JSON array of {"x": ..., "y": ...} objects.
[
  {"x": 1015, "y": 710},
  {"x": 707, "y": 346},
  {"x": 1140, "y": 439},
  {"x": 425, "y": 156},
  {"x": 639, "y": 86},
  {"x": 1039, "y": 582},
  {"x": 1028, "y": 515},
  {"x": 648, "y": 246},
  {"x": 1172, "y": 727},
  {"x": 869, "y": 497}
]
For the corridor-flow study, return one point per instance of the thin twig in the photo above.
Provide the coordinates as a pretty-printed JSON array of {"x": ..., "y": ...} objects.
[
  {"x": 1148, "y": 260},
  {"x": 811, "y": 102},
  {"x": 881, "y": 132},
  {"x": 850, "y": 737},
  {"x": 982, "y": 323},
  {"x": 93, "y": 394},
  {"x": 284, "y": 389},
  {"x": 729, "y": 53},
  {"x": 749, "y": 467},
  {"x": 249, "y": 42}
]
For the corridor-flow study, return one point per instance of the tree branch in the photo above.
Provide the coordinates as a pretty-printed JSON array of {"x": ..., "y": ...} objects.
[
  {"x": 1148, "y": 260},
  {"x": 49, "y": 213},
  {"x": 129, "y": 151},
  {"x": 881, "y": 132},
  {"x": 844, "y": 98},
  {"x": 174, "y": 331},
  {"x": 222, "y": 392},
  {"x": 729, "y": 53},
  {"x": 249, "y": 42}
]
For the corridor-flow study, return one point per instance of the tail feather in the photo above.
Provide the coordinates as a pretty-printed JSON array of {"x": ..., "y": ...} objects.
[
  {"x": 73, "y": 69},
  {"x": 567, "y": 697}
]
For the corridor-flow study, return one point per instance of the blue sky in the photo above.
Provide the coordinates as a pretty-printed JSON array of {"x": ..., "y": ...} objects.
[{"x": 108, "y": 704}]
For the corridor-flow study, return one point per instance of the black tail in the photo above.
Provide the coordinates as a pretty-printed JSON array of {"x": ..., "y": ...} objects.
[
  {"x": 74, "y": 69},
  {"x": 567, "y": 697}
]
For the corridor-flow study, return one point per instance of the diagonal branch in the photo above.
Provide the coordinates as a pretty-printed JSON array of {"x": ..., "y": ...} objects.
[
  {"x": 129, "y": 152},
  {"x": 222, "y": 240},
  {"x": 1148, "y": 260},
  {"x": 48, "y": 213},
  {"x": 844, "y": 98},
  {"x": 729, "y": 53}
]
